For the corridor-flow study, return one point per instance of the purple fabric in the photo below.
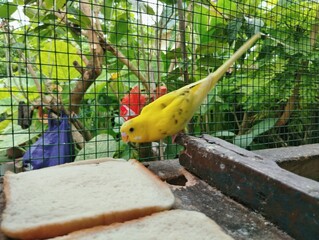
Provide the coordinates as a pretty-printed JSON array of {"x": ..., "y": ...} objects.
[{"x": 54, "y": 147}]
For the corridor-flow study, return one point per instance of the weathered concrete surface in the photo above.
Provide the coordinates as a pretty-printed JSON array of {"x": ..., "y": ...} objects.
[
  {"x": 195, "y": 194},
  {"x": 286, "y": 199},
  {"x": 302, "y": 160}
]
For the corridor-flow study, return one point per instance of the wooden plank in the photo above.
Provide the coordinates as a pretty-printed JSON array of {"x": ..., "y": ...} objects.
[{"x": 286, "y": 199}]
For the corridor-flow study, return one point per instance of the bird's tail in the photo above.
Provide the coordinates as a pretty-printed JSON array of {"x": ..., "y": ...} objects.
[{"x": 215, "y": 76}]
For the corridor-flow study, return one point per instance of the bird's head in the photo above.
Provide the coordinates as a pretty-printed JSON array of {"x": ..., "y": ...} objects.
[{"x": 133, "y": 131}]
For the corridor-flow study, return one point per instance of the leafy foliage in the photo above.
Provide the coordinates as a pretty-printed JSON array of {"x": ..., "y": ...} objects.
[
  {"x": 59, "y": 65},
  {"x": 269, "y": 98}
]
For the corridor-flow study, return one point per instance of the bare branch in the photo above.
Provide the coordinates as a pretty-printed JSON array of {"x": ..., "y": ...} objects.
[
  {"x": 182, "y": 31},
  {"x": 94, "y": 67},
  {"x": 126, "y": 61}
]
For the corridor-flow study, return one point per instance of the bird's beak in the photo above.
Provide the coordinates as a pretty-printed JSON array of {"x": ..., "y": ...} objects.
[{"x": 125, "y": 137}]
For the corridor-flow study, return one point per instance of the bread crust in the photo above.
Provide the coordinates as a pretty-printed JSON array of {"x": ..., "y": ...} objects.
[
  {"x": 149, "y": 173},
  {"x": 90, "y": 161},
  {"x": 6, "y": 187},
  {"x": 54, "y": 230},
  {"x": 212, "y": 229},
  {"x": 74, "y": 235},
  {"x": 62, "y": 228}
]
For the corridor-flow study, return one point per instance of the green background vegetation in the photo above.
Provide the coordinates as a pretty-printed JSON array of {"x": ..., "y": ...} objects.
[{"x": 269, "y": 98}]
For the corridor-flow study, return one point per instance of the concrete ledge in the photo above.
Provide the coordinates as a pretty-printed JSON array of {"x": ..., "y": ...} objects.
[
  {"x": 288, "y": 200},
  {"x": 302, "y": 160}
]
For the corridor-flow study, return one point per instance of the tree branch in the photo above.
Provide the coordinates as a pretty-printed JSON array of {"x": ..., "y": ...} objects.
[
  {"x": 94, "y": 68},
  {"x": 117, "y": 53},
  {"x": 182, "y": 31}
]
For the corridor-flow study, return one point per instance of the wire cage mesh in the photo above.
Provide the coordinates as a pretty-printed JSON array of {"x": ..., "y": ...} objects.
[{"x": 71, "y": 72}]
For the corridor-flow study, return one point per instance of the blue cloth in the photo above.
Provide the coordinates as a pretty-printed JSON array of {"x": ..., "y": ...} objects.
[{"x": 54, "y": 147}]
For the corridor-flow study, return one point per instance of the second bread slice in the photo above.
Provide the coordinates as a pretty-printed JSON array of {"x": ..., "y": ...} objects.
[
  {"x": 59, "y": 200},
  {"x": 167, "y": 225}
]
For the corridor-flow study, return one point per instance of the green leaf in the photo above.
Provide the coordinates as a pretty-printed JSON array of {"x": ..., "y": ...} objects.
[
  {"x": 246, "y": 140},
  {"x": 56, "y": 60},
  {"x": 120, "y": 28},
  {"x": 108, "y": 9},
  {"x": 173, "y": 54},
  {"x": 210, "y": 47},
  {"x": 5, "y": 104},
  {"x": 207, "y": 105},
  {"x": 14, "y": 136},
  {"x": 48, "y": 4},
  {"x": 79, "y": 17},
  {"x": 200, "y": 16},
  {"x": 227, "y": 7},
  {"x": 168, "y": 2},
  {"x": 6, "y": 9},
  {"x": 148, "y": 9},
  {"x": 3, "y": 159},
  {"x": 224, "y": 134},
  {"x": 19, "y": 2},
  {"x": 18, "y": 45},
  {"x": 233, "y": 29},
  {"x": 125, "y": 151},
  {"x": 101, "y": 146},
  {"x": 26, "y": 2},
  {"x": 59, "y": 4},
  {"x": 31, "y": 12},
  {"x": 172, "y": 150},
  {"x": 49, "y": 18},
  {"x": 210, "y": 60},
  {"x": 4, "y": 124},
  {"x": 5, "y": 93}
]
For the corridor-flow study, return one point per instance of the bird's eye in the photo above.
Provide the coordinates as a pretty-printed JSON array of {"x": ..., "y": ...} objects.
[{"x": 131, "y": 129}]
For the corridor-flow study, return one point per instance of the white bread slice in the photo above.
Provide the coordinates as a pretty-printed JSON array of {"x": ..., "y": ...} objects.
[
  {"x": 167, "y": 225},
  {"x": 58, "y": 200}
]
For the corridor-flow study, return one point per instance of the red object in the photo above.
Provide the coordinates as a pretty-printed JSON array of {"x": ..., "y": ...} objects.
[
  {"x": 132, "y": 103},
  {"x": 160, "y": 91}
]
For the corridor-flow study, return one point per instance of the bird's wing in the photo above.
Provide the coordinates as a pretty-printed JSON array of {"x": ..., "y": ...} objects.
[
  {"x": 159, "y": 104},
  {"x": 177, "y": 113}
]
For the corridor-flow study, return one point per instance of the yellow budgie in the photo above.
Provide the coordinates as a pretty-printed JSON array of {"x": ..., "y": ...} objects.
[{"x": 169, "y": 114}]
